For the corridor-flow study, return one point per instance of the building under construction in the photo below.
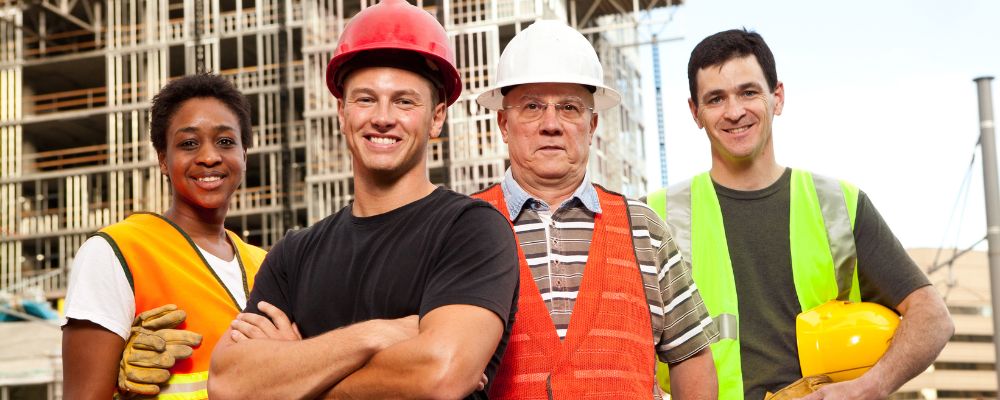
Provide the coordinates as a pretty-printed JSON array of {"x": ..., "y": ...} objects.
[{"x": 77, "y": 78}]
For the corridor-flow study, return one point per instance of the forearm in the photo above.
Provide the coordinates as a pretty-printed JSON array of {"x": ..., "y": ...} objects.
[
  {"x": 923, "y": 331},
  {"x": 266, "y": 368},
  {"x": 410, "y": 369},
  {"x": 445, "y": 361},
  {"x": 695, "y": 377}
]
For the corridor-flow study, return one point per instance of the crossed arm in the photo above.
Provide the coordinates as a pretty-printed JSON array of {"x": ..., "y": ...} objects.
[
  {"x": 925, "y": 328},
  {"x": 443, "y": 357}
]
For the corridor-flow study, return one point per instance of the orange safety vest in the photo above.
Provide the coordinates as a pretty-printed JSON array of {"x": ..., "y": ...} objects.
[
  {"x": 164, "y": 267},
  {"x": 608, "y": 351}
]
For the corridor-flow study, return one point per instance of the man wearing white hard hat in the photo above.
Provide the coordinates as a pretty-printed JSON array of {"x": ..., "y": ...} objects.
[{"x": 603, "y": 291}]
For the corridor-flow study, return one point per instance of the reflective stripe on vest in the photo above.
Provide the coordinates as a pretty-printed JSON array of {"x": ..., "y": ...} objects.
[
  {"x": 164, "y": 266},
  {"x": 609, "y": 348},
  {"x": 821, "y": 221},
  {"x": 192, "y": 386}
]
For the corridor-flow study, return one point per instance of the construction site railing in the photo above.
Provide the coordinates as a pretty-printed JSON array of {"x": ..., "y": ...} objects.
[
  {"x": 98, "y": 214},
  {"x": 248, "y": 77},
  {"x": 77, "y": 157},
  {"x": 49, "y": 281},
  {"x": 82, "y": 40},
  {"x": 468, "y": 13}
]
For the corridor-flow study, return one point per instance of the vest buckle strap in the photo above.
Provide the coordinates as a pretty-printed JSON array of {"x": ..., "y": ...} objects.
[{"x": 729, "y": 326}]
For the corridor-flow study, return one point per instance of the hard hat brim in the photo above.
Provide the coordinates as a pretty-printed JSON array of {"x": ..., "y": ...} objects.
[
  {"x": 605, "y": 98},
  {"x": 450, "y": 77}
]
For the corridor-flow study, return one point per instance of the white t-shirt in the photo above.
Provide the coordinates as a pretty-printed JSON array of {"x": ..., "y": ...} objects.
[{"x": 99, "y": 291}]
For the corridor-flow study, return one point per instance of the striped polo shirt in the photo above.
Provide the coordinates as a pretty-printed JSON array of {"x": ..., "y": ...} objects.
[{"x": 556, "y": 245}]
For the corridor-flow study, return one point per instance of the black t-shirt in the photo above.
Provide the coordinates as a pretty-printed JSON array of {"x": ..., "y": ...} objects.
[
  {"x": 445, "y": 248},
  {"x": 757, "y": 232}
]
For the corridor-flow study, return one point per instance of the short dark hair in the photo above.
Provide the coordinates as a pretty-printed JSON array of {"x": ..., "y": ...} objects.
[
  {"x": 175, "y": 93},
  {"x": 727, "y": 45}
]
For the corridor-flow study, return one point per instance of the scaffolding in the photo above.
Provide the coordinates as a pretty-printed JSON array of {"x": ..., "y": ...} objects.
[{"x": 78, "y": 77}]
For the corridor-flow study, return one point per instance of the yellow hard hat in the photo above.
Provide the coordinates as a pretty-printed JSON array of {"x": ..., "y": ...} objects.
[{"x": 843, "y": 340}]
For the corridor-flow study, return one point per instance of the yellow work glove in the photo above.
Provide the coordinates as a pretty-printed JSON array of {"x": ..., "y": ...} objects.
[
  {"x": 152, "y": 348},
  {"x": 800, "y": 388}
]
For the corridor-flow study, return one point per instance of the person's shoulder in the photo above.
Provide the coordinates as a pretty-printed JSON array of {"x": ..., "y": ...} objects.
[
  {"x": 254, "y": 250},
  {"x": 843, "y": 184},
  {"x": 320, "y": 229},
  {"x": 96, "y": 246},
  {"x": 641, "y": 209},
  {"x": 457, "y": 201},
  {"x": 821, "y": 176},
  {"x": 470, "y": 210},
  {"x": 636, "y": 208},
  {"x": 448, "y": 196}
]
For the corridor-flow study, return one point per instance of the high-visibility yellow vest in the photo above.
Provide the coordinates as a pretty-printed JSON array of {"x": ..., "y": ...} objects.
[
  {"x": 164, "y": 266},
  {"x": 824, "y": 258}
]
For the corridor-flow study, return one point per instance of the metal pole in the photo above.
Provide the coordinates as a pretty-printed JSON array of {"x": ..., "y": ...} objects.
[
  {"x": 659, "y": 111},
  {"x": 987, "y": 143},
  {"x": 199, "y": 48}
]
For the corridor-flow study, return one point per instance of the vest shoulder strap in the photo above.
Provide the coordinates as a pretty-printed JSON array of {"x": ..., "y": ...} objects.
[{"x": 838, "y": 204}]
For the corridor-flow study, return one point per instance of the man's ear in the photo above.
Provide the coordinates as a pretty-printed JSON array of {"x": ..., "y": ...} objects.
[
  {"x": 340, "y": 114},
  {"x": 779, "y": 98},
  {"x": 502, "y": 123},
  {"x": 593, "y": 128},
  {"x": 694, "y": 113},
  {"x": 440, "y": 115}
]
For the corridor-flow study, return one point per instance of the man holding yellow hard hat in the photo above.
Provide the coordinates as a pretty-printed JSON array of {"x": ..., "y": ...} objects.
[{"x": 771, "y": 247}]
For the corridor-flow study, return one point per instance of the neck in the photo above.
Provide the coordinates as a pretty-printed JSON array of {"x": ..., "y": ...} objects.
[
  {"x": 752, "y": 175},
  {"x": 374, "y": 196},
  {"x": 200, "y": 224},
  {"x": 552, "y": 191}
]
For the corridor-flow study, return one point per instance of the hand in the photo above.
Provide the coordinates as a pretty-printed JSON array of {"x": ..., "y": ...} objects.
[
  {"x": 275, "y": 325},
  {"x": 483, "y": 380},
  {"x": 852, "y": 389},
  {"x": 800, "y": 388},
  {"x": 153, "y": 348}
]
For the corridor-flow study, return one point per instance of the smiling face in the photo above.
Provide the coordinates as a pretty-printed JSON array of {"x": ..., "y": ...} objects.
[
  {"x": 388, "y": 115},
  {"x": 204, "y": 157},
  {"x": 736, "y": 108},
  {"x": 550, "y": 148}
]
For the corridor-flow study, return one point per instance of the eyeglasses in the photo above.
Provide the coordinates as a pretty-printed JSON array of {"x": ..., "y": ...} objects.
[{"x": 570, "y": 111}]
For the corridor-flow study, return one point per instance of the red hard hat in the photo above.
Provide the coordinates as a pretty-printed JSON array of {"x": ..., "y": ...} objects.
[{"x": 396, "y": 25}]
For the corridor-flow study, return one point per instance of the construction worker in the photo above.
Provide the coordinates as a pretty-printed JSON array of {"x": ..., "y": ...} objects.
[
  {"x": 408, "y": 292},
  {"x": 603, "y": 290},
  {"x": 133, "y": 283},
  {"x": 768, "y": 242}
]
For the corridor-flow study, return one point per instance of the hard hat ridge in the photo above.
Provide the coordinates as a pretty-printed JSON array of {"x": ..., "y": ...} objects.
[
  {"x": 550, "y": 51},
  {"x": 392, "y": 27}
]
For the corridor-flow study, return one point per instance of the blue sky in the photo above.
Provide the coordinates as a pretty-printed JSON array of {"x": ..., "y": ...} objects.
[{"x": 879, "y": 93}]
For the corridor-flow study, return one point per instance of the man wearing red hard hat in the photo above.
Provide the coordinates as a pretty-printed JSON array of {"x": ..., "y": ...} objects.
[{"x": 408, "y": 292}]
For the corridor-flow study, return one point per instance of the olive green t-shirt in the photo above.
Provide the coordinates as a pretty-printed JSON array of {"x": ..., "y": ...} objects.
[{"x": 757, "y": 232}]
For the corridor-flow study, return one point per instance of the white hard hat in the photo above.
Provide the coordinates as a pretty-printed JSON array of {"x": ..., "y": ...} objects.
[{"x": 550, "y": 51}]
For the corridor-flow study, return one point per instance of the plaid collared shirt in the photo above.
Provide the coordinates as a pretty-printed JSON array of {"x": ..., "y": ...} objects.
[{"x": 556, "y": 245}]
